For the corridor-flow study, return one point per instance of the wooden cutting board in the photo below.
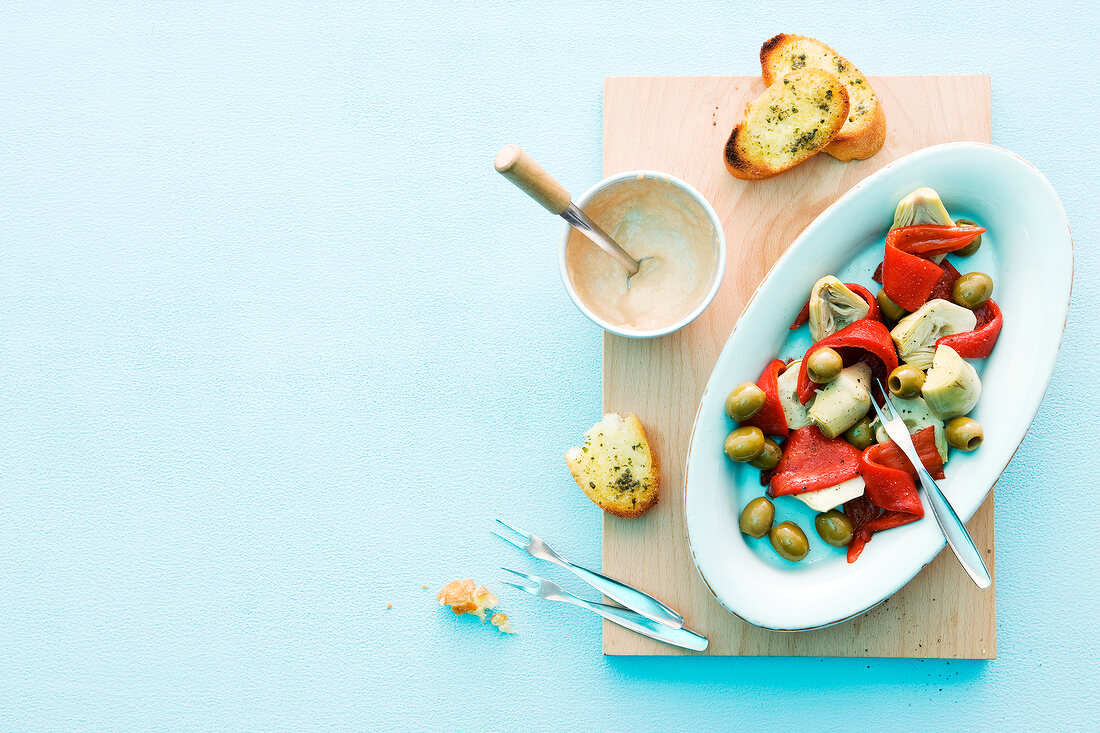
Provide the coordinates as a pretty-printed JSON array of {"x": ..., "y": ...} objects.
[{"x": 679, "y": 125}]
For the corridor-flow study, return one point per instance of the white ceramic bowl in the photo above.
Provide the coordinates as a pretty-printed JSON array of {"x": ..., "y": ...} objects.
[
  {"x": 1029, "y": 253},
  {"x": 716, "y": 276}
]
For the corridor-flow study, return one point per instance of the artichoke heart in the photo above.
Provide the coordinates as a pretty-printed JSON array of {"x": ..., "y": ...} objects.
[
  {"x": 833, "y": 306},
  {"x": 843, "y": 402},
  {"x": 952, "y": 386},
  {"x": 923, "y": 206},
  {"x": 793, "y": 409},
  {"x": 916, "y": 334},
  {"x": 916, "y": 415}
]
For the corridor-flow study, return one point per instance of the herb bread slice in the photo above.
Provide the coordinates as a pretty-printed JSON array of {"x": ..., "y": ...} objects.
[
  {"x": 793, "y": 120},
  {"x": 615, "y": 466},
  {"x": 864, "y": 131}
]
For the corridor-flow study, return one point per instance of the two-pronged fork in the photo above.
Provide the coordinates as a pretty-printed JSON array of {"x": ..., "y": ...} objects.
[
  {"x": 958, "y": 539},
  {"x": 632, "y": 598},
  {"x": 626, "y": 618}
]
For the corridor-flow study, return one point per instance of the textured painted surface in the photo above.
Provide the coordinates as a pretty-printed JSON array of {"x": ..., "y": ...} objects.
[{"x": 278, "y": 345}]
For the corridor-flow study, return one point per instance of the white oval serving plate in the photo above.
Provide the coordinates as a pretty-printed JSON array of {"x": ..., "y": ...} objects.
[{"x": 1027, "y": 249}]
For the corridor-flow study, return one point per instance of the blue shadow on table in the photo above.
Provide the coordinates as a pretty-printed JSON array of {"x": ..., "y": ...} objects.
[{"x": 837, "y": 675}]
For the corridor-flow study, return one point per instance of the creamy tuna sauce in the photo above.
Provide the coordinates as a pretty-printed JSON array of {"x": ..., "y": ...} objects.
[{"x": 663, "y": 227}]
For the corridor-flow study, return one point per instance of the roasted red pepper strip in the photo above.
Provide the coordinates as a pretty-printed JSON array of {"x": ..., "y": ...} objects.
[
  {"x": 932, "y": 239},
  {"x": 858, "y": 340},
  {"x": 811, "y": 461},
  {"x": 924, "y": 440},
  {"x": 945, "y": 286},
  {"x": 770, "y": 418},
  {"x": 872, "y": 302},
  {"x": 861, "y": 512},
  {"x": 977, "y": 344},
  {"x": 907, "y": 278},
  {"x": 868, "y": 519},
  {"x": 804, "y": 314},
  {"x": 890, "y": 496}
]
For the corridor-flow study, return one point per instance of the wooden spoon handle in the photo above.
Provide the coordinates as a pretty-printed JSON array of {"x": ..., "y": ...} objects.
[{"x": 522, "y": 170}]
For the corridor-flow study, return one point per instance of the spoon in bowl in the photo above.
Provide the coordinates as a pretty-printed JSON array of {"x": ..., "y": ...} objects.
[{"x": 522, "y": 170}]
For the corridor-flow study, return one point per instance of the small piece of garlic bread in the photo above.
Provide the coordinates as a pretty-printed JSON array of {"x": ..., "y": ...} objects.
[
  {"x": 615, "y": 466},
  {"x": 793, "y": 120},
  {"x": 864, "y": 129}
]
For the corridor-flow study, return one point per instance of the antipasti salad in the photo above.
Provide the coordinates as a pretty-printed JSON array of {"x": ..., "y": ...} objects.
[{"x": 807, "y": 423}]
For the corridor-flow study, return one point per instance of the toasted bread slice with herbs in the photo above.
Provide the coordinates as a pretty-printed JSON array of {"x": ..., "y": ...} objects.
[
  {"x": 864, "y": 131},
  {"x": 615, "y": 466},
  {"x": 793, "y": 120}
]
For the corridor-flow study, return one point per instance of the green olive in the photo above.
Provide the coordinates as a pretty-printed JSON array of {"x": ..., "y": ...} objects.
[
  {"x": 889, "y": 308},
  {"x": 973, "y": 246},
  {"x": 769, "y": 457},
  {"x": 964, "y": 433},
  {"x": 823, "y": 365},
  {"x": 744, "y": 444},
  {"x": 833, "y": 527},
  {"x": 789, "y": 541},
  {"x": 972, "y": 289},
  {"x": 745, "y": 401},
  {"x": 905, "y": 381},
  {"x": 756, "y": 519},
  {"x": 861, "y": 435}
]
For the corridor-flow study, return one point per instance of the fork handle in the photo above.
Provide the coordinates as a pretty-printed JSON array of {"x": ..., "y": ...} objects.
[
  {"x": 628, "y": 596},
  {"x": 958, "y": 539},
  {"x": 681, "y": 637}
]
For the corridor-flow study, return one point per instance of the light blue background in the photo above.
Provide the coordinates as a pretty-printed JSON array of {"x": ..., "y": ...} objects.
[{"x": 278, "y": 344}]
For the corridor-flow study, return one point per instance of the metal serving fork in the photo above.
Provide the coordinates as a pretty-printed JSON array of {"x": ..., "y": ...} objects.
[
  {"x": 626, "y": 618},
  {"x": 958, "y": 539},
  {"x": 632, "y": 598}
]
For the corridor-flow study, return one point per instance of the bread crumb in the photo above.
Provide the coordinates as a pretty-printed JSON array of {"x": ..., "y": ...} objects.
[
  {"x": 424, "y": 587},
  {"x": 389, "y": 606},
  {"x": 464, "y": 597},
  {"x": 500, "y": 620}
]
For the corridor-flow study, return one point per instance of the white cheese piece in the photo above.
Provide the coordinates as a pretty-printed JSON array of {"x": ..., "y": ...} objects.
[
  {"x": 825, "y": 499},
  {"x": 793, "y": 410}
]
